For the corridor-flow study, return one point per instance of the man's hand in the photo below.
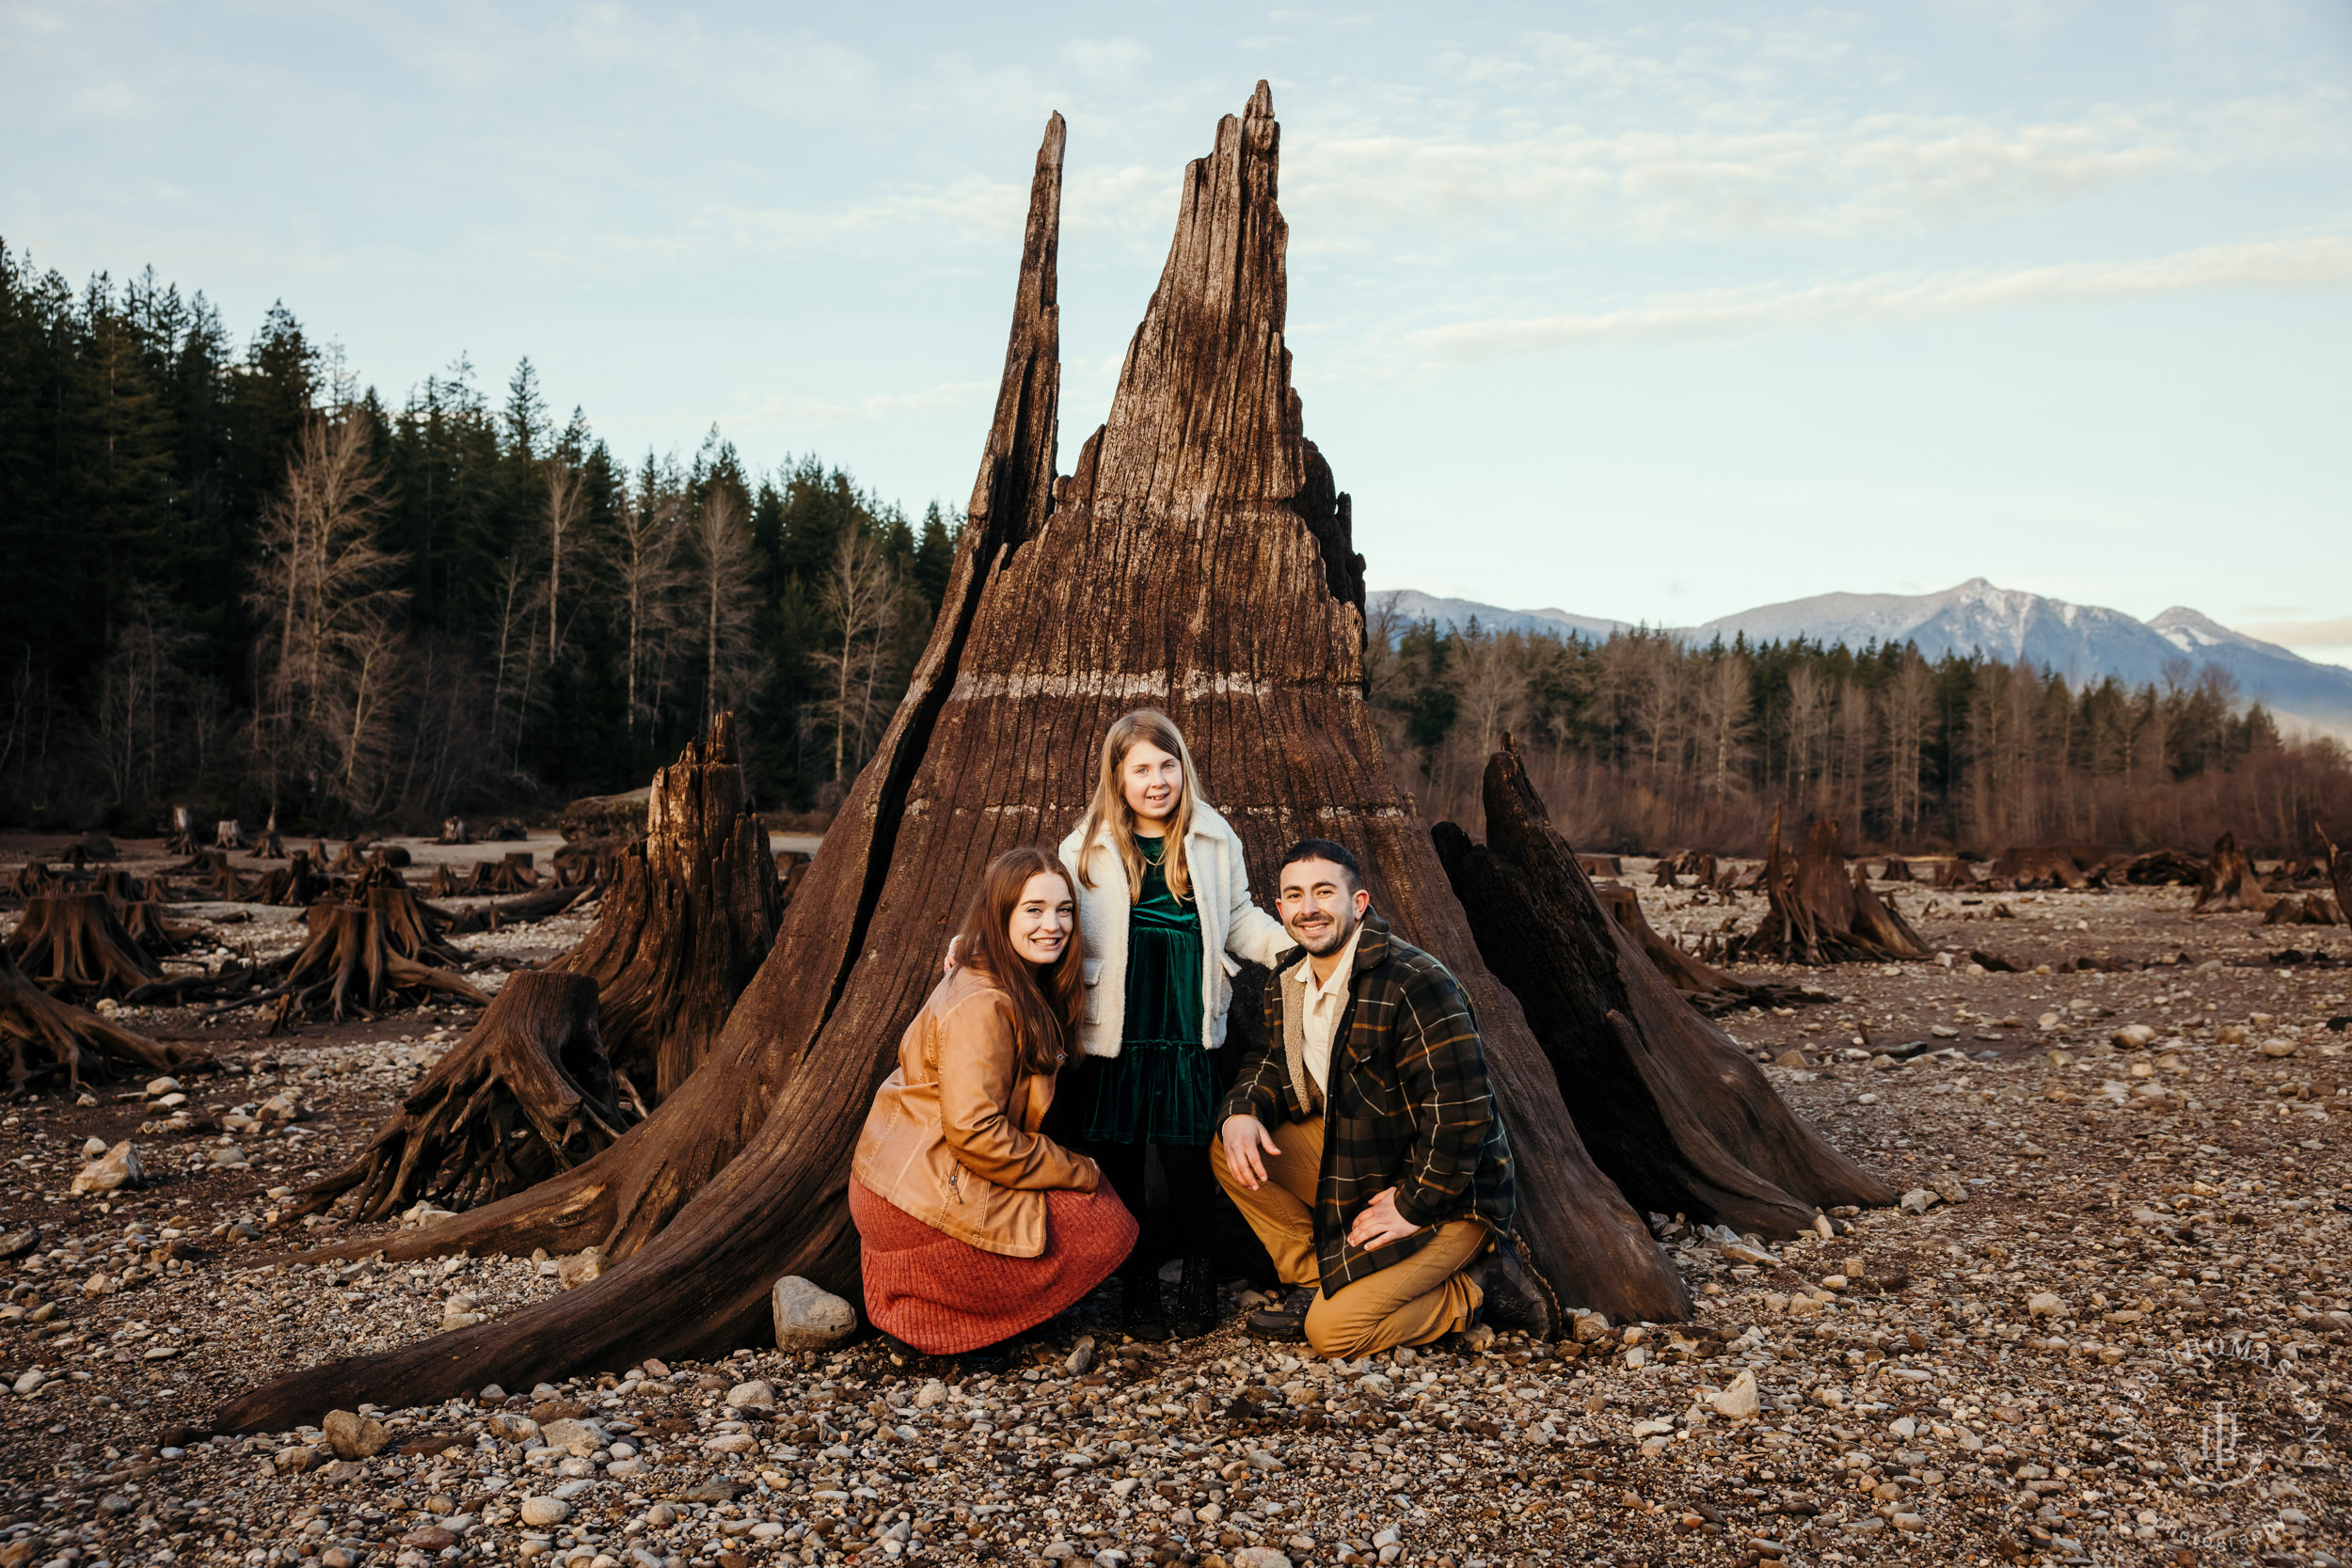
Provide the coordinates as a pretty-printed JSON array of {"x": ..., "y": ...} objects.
[
  {"x": 1380, "y": 1223},
  {"x": 1245, "y": 1136}
]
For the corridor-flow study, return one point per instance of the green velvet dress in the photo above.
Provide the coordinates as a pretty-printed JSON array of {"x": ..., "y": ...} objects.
[{"x": 1161, "y": 1088}]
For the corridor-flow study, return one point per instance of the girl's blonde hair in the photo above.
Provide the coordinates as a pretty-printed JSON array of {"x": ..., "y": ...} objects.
[{"x": 1109, "y": 811}]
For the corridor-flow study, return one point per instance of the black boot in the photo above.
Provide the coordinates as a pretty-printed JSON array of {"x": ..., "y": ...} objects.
[
  {"x": 1140, "y": 1311},
  {"x": 1195, "y": 1298}
]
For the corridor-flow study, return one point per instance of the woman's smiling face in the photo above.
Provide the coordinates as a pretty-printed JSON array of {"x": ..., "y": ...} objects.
[{"x": 1043, "y": 919}]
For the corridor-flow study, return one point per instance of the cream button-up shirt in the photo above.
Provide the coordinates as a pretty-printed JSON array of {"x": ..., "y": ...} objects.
[{"x": 1321, "y": 1005}]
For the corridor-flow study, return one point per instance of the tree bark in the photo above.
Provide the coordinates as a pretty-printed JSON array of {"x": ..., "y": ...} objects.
[
  {"x": 1673, "y": 1111},
  {"x": 2230, "y": 883},
  {"x": 1199, "y": 558},
  {"x": 528, "y": 1092},
  {"x": 690, "y": 913}
]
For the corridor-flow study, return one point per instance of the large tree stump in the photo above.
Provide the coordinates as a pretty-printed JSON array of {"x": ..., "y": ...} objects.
[
  {"x": 46, "y": 1038},
  {"x": 1820, "y": 916},
  {"x": 1674, "y": 1111},
  {"x": 145, "y": 922},
  {"x": 74, "y": 946},
  {"x": 2228, "y": 883},
  {"x": 1199, "y": 558},
  {"x": 526, "y": 1094},
  {"x": 690, "y": 914}
]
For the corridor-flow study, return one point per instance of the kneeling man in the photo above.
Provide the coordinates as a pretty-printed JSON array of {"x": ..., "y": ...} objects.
[{"x": 1362, "y": 1142}]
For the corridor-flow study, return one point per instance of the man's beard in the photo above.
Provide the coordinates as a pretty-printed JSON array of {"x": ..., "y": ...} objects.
[{"x": 1343, "y": 927}]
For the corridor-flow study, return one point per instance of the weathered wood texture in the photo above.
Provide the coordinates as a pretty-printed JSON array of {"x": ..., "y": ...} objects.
[
  {"x": 1673, "y": 1111},
  {"x": 1196, "y": 559},
  {"x": 687, "y": 921},
  {"x": 528, "y": 1092},
  {"x": 2230, "y": 883}
]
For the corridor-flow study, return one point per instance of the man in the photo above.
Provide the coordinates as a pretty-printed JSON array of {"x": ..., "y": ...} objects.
[{"x": 1362, "y": 1142}]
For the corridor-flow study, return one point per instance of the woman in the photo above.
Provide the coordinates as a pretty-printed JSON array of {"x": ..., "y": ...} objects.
[
  {"x": 1164, "y": 911},
  {"x": 972, "y": 1227}
]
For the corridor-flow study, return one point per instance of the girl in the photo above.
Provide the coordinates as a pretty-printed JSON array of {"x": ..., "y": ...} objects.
[
  {"x": 971, "y": 1226},
  {"x": 1163, "y": 901}
]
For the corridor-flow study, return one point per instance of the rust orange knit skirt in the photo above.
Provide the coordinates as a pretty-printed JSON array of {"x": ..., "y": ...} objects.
[{"x": 945, "y": 1296}]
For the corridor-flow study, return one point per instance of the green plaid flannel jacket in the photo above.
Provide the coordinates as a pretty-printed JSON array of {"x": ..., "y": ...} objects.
[{"x": 1407, "y": 1106}]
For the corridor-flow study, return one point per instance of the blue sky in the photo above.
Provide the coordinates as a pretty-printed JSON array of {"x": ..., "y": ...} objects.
[{"x": 1642, "y": 310}]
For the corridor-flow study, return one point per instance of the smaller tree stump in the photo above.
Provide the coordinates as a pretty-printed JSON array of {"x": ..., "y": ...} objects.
[
  {"x": 1674, "y": 1112},
  {"x": 73, "y": 944},
  {"x": 346, "y": 965},
  {"x": 270, "y": 847},
  {"x": 2338, "y": 864},
  {"x": 182, "y": 839},
  {"x": 1818, "y": 915},
  {"x": 2229, "y": 885},
  {"x": 527, "y": 1093}
]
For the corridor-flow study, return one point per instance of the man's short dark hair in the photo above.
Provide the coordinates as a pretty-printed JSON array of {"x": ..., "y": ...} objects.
[{"x": 1322, "y": 850}]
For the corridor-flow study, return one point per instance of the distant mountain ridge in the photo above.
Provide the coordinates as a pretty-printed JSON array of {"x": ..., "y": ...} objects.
[{"x": 2079, "y": 641}]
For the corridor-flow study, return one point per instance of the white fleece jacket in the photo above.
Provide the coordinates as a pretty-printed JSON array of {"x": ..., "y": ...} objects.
[{"x": 1232, "y": 928}]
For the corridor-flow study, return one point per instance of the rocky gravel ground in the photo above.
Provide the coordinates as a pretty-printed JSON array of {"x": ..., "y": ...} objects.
[{"x": 2108, "y": 1325}]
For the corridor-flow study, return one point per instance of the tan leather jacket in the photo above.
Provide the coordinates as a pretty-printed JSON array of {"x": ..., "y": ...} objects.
[{"x": 952, "y": 1138}]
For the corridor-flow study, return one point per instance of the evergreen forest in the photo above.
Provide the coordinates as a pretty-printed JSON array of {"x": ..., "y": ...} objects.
[{"x": 243, "y": 582}]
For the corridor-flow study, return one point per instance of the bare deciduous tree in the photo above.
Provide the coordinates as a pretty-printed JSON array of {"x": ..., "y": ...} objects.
[
  {"x": 325, "y": 590},
  {"x": 859, "y": 596},
  {"x": 644, "y": 560},
  {"x": 722, "y": 538}
]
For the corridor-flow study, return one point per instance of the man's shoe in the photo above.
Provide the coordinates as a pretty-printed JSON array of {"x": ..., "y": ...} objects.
[
  {"x": 1514, "y": 1303},
  {"x": 1287, "y": 1319}
]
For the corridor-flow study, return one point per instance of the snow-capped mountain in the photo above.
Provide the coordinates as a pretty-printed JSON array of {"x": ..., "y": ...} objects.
[
  {"x": 1413, "y": 605},
  {"x": 2080, "y": 642}
]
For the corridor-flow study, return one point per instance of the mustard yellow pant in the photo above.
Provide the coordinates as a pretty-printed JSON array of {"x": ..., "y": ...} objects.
[{"x": 1410, "y": 1303}]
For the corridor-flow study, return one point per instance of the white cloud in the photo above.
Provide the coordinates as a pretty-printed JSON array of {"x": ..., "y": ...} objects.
[
  {"x": 2313, "y": 261},
  {"x": 1877, "y": 174},
  {"x": 787, "y": 412}
]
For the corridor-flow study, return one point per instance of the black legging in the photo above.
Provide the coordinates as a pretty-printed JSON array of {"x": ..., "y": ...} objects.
[{"x": 1191, "y": 1198}]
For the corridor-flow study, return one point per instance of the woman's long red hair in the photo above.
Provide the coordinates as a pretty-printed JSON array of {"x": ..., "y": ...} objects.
[{"x": 1047, "y": 1003}]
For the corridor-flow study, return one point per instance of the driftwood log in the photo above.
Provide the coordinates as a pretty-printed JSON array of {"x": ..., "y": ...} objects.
[
  {"x": 1674, "y": 1111},
  {"x": 2163, "y": 867},
  {"x": 527, "y": 1093},
  {"x": 49, "y": 1038},
  {"x": 73, "y": 944},
  {"x": 690, "y": 913},
  {"x": 2230, "y": 883},
  {"x": 1199, "y": 557},
  {"x": 1819, "y": 914}
]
